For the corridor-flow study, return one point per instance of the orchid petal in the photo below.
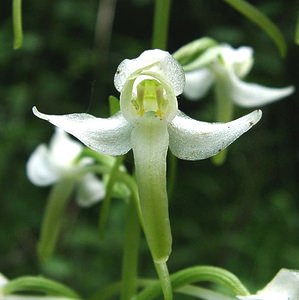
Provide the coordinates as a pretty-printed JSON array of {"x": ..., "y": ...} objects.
[
  {"x": 90, "y": 191},
  {"x": 40, "y": 169},
  {"x": 157, "y": 61},
  {"x": 109, "y": 136},
  {"x": 284, "y": 286},
  {"x": 241, "y": 59},
  {"x": 254, "y": 95},
  {"x": 198, "y": 83},
  {"x": 192, "y": 140}
]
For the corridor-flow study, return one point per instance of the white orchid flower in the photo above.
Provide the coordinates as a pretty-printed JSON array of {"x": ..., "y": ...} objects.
[
  {"x": 149, "y": 122},
  {"x": 284, "y": 286},
  {"x": 227, "y": 70},
  {"x": 50, "y": 164}
]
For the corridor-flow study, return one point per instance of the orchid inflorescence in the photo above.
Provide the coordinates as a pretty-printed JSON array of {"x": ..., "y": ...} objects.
[{"x": 149, "y": 122}]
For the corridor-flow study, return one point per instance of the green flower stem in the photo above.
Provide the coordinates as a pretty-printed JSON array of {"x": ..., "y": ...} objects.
[
  {"x": 130, "y": 255},
  {"x": 163, "y": 275},
  {"x": 195, "y": 274},
  {"x": 224, "y": 112},
  {"x": 103, "y": 217},
  {"x": 161, "y": 22},
  {"x": 150, "y": 143},
  {"x": 17, "y": 23},
  {"x": 102, "y": 159},
  {"x": 39, "y": 284},
  {"x": 58, "y": 199},
  {"x": 122, "y": 177},
  {"x": 130, "y": 182}
]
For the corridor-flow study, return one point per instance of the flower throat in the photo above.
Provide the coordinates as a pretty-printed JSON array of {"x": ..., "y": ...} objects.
[{"x": 150, "y": 98}]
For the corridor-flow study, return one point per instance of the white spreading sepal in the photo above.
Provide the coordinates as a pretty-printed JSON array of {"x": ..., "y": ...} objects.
[
  {"x": 193, "y": 140},
  {"x": 254, "y": 95},
  {"x": 106, "y": 135}
]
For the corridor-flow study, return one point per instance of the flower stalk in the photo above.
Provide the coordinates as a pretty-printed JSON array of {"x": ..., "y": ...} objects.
[
  {"x": 224, "y": 112},
  {"x": 103, "y": 217},
  {"x": 130, "y": 254},
  {"x": 52, "y": 221},
  {"x": 17, "y": 23},
  {"x": 161, "y": 21}
]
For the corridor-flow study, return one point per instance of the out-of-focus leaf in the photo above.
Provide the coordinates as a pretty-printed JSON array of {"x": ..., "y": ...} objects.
[
  {"x": 256, "y": 16},
  {"x": 297, "y": 31}
]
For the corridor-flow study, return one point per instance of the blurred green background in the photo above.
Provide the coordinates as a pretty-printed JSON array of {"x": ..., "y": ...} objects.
[{"x": 243, "y": 216}]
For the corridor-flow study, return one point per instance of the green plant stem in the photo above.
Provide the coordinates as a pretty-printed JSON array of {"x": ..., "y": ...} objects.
[
  {"x": 163, "y": 275},
  {"x": 161, "y": 22},
  {"x": 104, "y": 213},
  {"x": 130, "y": 182},
  {"x": 17, "y": 23},
  {"x": 58, "y": 199},
  {"x": 130, "y": 255},
  {"x": 224, "y": 112},
  {"x": 195, "y": 274}
]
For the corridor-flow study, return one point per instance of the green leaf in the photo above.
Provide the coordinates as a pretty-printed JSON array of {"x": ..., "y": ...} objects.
[
  {"x": 197, "y": 274},
  {"x": 202, "y": 293},
  {"x": 256, "y": 16},
  {"x": 37, "y": 284},
  {"x": 17, "y": 23}
]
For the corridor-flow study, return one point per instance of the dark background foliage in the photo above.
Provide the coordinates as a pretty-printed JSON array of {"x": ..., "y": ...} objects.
[{"x": 242, "y": 216}]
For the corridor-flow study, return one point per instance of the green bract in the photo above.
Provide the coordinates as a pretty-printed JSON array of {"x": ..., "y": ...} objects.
[{"x": 148, "y": 123}]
